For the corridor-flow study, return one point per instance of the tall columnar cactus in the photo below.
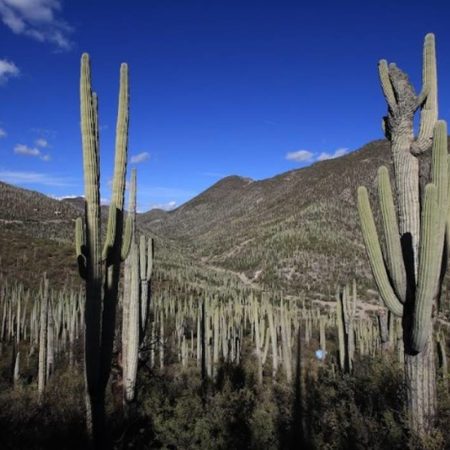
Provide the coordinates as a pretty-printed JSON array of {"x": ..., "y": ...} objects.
[
  {"x": 42, "y": 364},
  {"x": 130, "y": 316},
  {"x": 345, "y": 315},
  {"x": 100, "y": 267},
  {"x": 145, "y": 274},
  {"x": 409, "y": 275}
]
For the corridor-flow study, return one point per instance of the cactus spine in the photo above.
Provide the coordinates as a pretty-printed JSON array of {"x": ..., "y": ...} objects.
[
  {"x": 100, "y": 269},
  {"x": 410, "y": 280}
]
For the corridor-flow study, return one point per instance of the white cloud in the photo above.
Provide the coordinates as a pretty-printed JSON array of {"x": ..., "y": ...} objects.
[
  {"x": 64, "y": 197},
  {"x": 21, "y": 149},
  {"x": 140, "y": 157},
  {"x": 41, "y": 142},
  {"x": 21, "y": 178},
  {"x": 3, "y": 133},
  {"x": 165, "y": 206},
  {"x": 299, "y": 156},
  {"x": 7, "y": 70},
  {"x": 339, "y": 152},
  {"x": 36, "y": 19}
]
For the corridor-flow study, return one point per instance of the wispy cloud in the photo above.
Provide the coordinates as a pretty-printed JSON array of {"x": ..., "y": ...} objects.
[
  {"x": 308, "y": 156},
  {"x": 140, "y": 157},
  {"x": 165, "y": 206},
  {"x": 41, "y": 132},
  {"x": 7, "y": 70},
  {"x": 41, "y": 142},
  {"x": 43, "y": 179},
  {"x": 3, "y": 133},
  {"x": 300, "y": 156},
  {"x": 64, "y": 197},
  {"x": 22, "y": 149},
  {"x": 37, "y": 19},
  {"x": 339, "y": 152}
]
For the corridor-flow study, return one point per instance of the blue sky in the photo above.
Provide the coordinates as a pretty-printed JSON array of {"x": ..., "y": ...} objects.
[{"x": 251, "y": 88}]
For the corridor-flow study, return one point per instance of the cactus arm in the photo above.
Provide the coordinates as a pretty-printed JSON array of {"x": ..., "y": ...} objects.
[
  {"x": 427, "y": 99},
  {"x": 394, "y": 255},
  {"x": 439, "y": 170},
  {"x": 434, "y": 216},
  {"x": 386, "y": 84},
  {"x": 120, "y": 164},
  {"x": 429, "y": 269},
  {"x": 127, "y": 238},
  {"x": 375, "y": 255}
]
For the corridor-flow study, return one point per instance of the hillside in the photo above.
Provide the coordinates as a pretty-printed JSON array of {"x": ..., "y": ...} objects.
[
  {"x": 29, "y": 212},
  {"x": 298, "y": 230}
]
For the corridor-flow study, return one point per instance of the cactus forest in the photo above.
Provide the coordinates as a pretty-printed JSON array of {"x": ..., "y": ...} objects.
[{"x": 308, "y": 310}]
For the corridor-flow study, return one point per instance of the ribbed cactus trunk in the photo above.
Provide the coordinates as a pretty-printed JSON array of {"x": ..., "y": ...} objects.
[
  {"x": 409, "y": 278},
  {"x": 130, "y": 364},
  {"x": 42, "y": 369},
  {"x": 99, "y": 268},
  {"x": 146, "y": 269},
  {"x": 442, "y": 349}
]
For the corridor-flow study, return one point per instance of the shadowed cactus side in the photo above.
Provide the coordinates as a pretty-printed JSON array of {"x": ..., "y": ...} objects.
[{"x": 100, "y": 268}]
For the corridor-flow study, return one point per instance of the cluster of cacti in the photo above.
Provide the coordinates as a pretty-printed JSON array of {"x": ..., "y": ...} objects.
[
  {"x": 216, "y": 327},
  {"x": 409, "y": 275},
  {"x": 42, "y": 327},
  {"x": 100, "y": 268}
]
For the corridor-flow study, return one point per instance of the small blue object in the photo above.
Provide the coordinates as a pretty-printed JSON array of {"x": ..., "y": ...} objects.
[{"x": 320, "y": 354}]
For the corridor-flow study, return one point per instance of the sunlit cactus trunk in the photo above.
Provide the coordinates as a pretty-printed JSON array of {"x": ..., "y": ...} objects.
[
  {"x": 409, "y": 278},
  {"x": 258, "y": 341},
  {"x": 146, "y": 269},
  {"x": 130, "y": 306},
  {"x": 16, "y": 373},
  {"x": 42, "y": 366},
  {"x": 50, "y": 341},
  {"x": 273, "y": 340}
]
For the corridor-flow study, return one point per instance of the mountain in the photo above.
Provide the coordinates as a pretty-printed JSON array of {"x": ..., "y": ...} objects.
[
  {"x": 77, "y": 202},
  {"x": 298, "y": 231},
  {"x": 32, "y": 213}
]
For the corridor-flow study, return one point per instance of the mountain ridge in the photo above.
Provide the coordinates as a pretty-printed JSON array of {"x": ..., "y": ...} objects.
[{"x": 297, "y": 231}]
